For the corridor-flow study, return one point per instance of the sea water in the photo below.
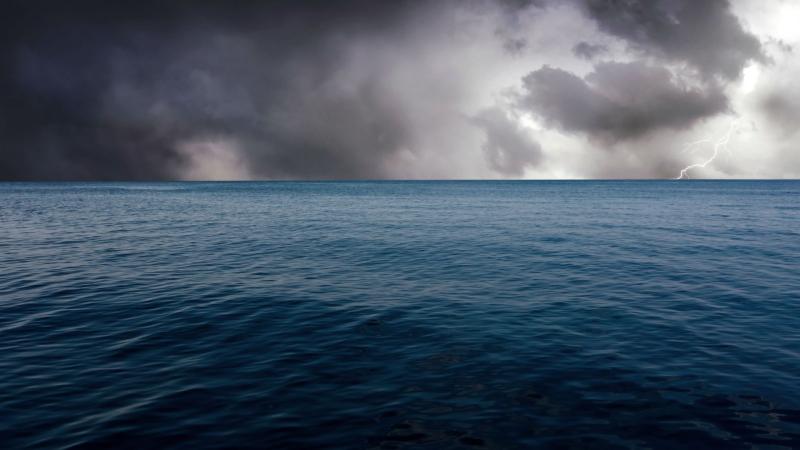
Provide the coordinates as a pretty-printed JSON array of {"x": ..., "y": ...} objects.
[{"x": 393, "y": 315}]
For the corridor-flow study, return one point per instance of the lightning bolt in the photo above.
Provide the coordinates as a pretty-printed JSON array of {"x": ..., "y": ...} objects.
[{"x": 720, "y": 144}]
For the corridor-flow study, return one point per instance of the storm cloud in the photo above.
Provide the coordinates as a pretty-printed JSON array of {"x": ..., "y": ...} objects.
[
  {"x": 509, "y": 148},
  {"x": 129, "y": 97},
  {"x": 317, "y": 89},
  {"x": 588, "y": 51},
  {"x": 617, "y": 101},
  {"x": 704, "y": 34}
]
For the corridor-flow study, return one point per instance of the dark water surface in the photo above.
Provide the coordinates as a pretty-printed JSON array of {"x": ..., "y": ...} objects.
[{"x": 400, "y": 315}]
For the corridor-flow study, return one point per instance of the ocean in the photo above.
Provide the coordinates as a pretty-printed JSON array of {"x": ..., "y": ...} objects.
[{"x": 400, "y": 315}]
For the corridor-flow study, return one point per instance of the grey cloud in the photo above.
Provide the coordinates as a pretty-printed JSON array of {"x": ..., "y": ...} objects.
[
  {"x": 617, "y": 101},
  {"x": 783, "y": 110},
  {"x": 113, "y": 91},
  {"x": 122, "y": 90},
  {"x": 588, "y": 51},
  {"x": 703, "y": 33},
  {"x": 348, "y": 89},
  {"x": 515, "y": 46},
  {"x": 508, "y": 147}
]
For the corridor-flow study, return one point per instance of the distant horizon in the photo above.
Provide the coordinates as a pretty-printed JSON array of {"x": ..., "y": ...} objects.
[{"x": 390, "y": 180}]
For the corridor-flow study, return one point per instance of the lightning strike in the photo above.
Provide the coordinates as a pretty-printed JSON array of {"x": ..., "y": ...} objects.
[{"x": 720, "y": 145}]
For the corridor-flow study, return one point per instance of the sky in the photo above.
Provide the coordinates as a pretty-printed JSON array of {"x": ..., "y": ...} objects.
[{"x": 362, "y": 89}]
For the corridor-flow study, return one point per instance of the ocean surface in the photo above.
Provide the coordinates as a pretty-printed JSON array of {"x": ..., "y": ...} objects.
[{"x": 400, "y": 315}]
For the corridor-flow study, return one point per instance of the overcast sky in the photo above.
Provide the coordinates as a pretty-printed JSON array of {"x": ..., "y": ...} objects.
[{"x": 399, "y": 89}]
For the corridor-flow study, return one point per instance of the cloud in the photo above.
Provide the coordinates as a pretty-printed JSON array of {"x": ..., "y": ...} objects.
[
  {"x": 777, "y": 98},
  {"x": 214, "y": 160},
  {"x": 515, "y": 46},
  {"x": 617, "y": 101},
  {"x": 306, "y": 89},
  {"x": 361, "y": 89},
  {"x": 509, "y": 148},
  {"x": 783, "y": 110},
  {"x": 301, "y": 89},
  {"x": 588, "y": 51},
  {"x": 702, "y": 33}
]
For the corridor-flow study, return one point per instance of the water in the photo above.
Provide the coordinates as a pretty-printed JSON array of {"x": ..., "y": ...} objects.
[{"x": 395, "y": 315}]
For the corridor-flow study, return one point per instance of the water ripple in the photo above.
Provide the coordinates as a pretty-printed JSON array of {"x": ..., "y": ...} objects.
[{"x": 395, "y": 315}]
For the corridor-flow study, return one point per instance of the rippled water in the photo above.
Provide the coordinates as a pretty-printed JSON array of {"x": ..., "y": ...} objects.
[{"x": 400, "y": 315}]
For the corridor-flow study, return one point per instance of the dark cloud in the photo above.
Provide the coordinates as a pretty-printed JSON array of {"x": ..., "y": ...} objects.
[
  {"x": 515, "y": 46},
  {"x": 702, "y": 33},
  {"x": 509, "y": 148},
  {"x": 321, "y": 89},
  {"x": 783, "y": 110},
  {"x": 106, "y": 90},
  {"x": 588, "y": 51},
  {"x": 617, "y": 101},
  {"x": 779, "y": 96}
]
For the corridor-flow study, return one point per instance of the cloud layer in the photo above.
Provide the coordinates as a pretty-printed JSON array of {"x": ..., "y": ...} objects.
[
  {"x": 617, "y": 101},
  {"x": 360, "y": 89}
]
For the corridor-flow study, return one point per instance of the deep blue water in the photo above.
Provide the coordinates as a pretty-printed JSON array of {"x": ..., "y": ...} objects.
[{"x": 402, "y": 315}]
